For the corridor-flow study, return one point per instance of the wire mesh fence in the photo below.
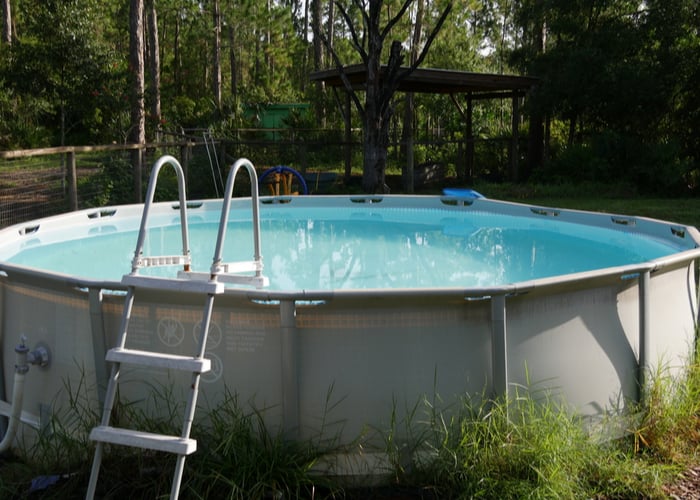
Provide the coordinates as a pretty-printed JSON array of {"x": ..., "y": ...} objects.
[
  {"x": 28, "y": 189},
  {"x": 45, "y": 182},
  {"x": 41, "y": 183}
]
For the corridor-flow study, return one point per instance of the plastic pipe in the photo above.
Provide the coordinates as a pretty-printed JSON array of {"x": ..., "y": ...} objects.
[{"x": 21, "y": 368}]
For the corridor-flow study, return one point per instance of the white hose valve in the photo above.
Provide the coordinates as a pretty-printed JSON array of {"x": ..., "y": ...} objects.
[
  {"x": 38, "y": 357},
  {"x": 21, "y": 364}
]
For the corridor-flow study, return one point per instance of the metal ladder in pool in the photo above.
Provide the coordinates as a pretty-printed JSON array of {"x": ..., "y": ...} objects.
[{"x": 209, "y": 283}]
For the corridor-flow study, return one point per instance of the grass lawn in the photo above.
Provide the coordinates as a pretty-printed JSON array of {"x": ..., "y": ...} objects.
[
  {"x": 616, "y": 199},
  {"x": 684, "y": 210}
]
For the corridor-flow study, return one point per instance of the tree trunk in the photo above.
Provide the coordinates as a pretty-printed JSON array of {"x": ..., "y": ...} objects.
[
  {"x": 572, "y": 130},
  {"x": 154, "y": 67},
  {"x": 305, "y": 60},
  {"x": 7, "y": 22},
  {"x": 407, "y": 137},
  {"x": 256, "y": 63},
  {"x": 177, "y": 63},
  {"x": 137, "y": 133},
  {"x": 407, "y": 134},
  {"x": 375, "y": 155},
  {"x": 535, "y": 153},
  {"x": 269, "y": 58},
  {"x": 331, "y": 28},
  {"x": 136, "y": 62},
  {"x": 216, "y": 55},
  {"x": 233, "y": 62},
  {"x": 376, "y": 132},
  {"x": 317, "y": 53},
  {"x": 316, "y": 31}
]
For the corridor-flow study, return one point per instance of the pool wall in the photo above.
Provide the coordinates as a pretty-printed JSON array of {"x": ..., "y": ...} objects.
[
  {"x": 356, "y": 358},
  {"x": 345, "y": 361}
]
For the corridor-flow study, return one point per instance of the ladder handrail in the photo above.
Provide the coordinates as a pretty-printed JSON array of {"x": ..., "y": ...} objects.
[
  {"x": 225, "y": 209},
  {"x": 150, "y": 193}
]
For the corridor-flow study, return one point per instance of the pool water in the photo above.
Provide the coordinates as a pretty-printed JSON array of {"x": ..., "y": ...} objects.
[{"x": 350, "y": 248}]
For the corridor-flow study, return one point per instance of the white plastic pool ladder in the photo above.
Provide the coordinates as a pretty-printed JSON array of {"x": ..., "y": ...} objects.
[{"x": 211, "y": 283}]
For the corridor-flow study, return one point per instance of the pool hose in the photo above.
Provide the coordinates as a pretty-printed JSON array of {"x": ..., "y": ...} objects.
[{"x": 23, "y": 359}]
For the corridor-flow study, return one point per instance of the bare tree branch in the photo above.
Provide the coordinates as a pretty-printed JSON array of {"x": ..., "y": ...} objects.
[
  {"x": 424, "y": 51},
  {"x": 431, "y": 37},
  {"x": 392, "y": 22},
  {"x": 394, "y": 75},
  {"x": 343, "y": 76},
  {"x": 359, "y": 45},
  {"x": 362, "y": 7}
]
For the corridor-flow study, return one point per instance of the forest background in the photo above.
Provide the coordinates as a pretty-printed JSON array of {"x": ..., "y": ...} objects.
[{"x": 618, "y": 92}]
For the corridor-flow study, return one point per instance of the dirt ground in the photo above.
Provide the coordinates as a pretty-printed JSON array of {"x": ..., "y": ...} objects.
[{"x": 687, "y": 487}]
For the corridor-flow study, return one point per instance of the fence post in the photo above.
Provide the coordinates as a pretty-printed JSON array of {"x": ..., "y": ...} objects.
[
  {"x": 469, "y": 141},
  {"x": 72, "y": 182},
  {"x": 514, "y": 152},
  {"x": 136, "y": 158},
  {"x": 185, "y": 159},
  {"x": 303, "y": 157},
  {"x": 348, "y": 138}
]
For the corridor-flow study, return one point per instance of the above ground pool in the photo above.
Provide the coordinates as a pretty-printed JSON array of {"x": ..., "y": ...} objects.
[
  {"x": 374, "y": 304},
  {"x": 331, "y": 243}
]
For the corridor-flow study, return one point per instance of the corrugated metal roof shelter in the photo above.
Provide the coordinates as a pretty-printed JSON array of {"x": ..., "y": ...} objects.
[
  {"x": 437, "y": 81},
  {"x": 442, "y": 81}
]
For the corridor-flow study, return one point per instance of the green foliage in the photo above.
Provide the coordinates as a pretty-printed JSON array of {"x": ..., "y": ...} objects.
[
  {"x": 618, "y": 78},
  {"x": 613, "y": 72},
  {"x": 183, "y": 111},
  {"x": 61, "y": 60},
  {"x": 613, "y": 158},
  {"x": 113, "y": 184}
]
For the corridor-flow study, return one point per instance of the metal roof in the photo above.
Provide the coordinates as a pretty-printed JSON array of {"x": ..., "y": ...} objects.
[{"x": 436, "y": 81}]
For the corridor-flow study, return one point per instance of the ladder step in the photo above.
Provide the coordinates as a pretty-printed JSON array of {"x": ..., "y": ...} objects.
[
  {"x": 240, "y": 279},
  {"x": 173, "y": 284},
  {"x": 243, "y": 266},
  {"x": 145, "y": 440},
  {"x": 163, "y": 260},
  {"x": 256, "y": 281},
  {"x": 159, "y": 360}
]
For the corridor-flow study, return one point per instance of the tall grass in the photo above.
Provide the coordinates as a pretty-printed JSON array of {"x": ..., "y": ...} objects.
[
  {"x": 670, "y": 430},
  {"x": 529, "y": 445},
  {"x": 239, "y": 456},
  {"x": 524, "y": 447},
  {"x": 242, "y": 458}
]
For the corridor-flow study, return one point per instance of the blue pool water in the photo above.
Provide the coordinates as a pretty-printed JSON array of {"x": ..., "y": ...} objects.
[{"x": 349, "y": 248}]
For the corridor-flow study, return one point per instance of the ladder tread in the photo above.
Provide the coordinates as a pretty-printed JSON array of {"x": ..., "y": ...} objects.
[
  {"x": 163, "y": 260},
  {"x": 159, "y": 360},
  {"x": 173, "y": 284},
  {"x": 258, "y": 281},
  {"x": 146, "y": 440}
]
